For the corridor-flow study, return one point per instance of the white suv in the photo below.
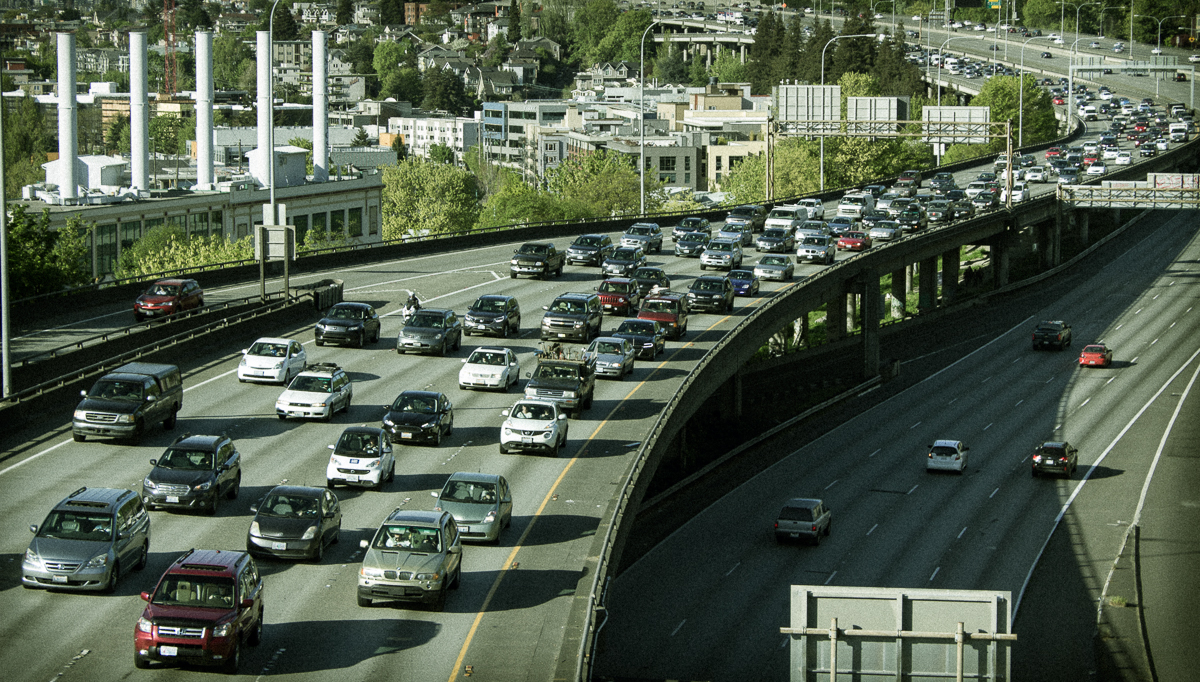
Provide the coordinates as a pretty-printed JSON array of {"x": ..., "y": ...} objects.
[
  {"x": 317, "y": 393},
  {"x": 534, "y": 425}
]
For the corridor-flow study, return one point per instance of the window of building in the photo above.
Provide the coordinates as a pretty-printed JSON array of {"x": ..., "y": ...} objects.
[
  {"x": 356, "y": 225},
  {"x": 735, "y": 161},
  {"x": 319, "y": 224},
  {"x": 687, "y": 163},
  {"x": 152, "y": 223},
  {"x": 300, "y": 222},
  {"x": 217, "y": 223},
  {"x": 667, "y": 178},
  {"x": 373, "y": 220},
  {"x": 106, "y": 249},
  {"x": 666, "y": 164},
  {"x": 337, "y": 224},
  {"x": 718, "y": 178},
  {"x": 687, "y": 178},
  {"x": 718, "y": 168},
  {"x": 130, "y": 232}
]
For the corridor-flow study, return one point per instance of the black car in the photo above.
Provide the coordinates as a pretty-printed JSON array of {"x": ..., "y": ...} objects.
[
  {"x": 872, "y": 216},
  {"x": 624, "y": 261},
  {"x": 689, "y": 225},
  {"x": 912, "y": 219},
  {"x": 691, "y": 244},
  {"x": 590, "y": 249},
  {"x": 939, "y": 212},
  {"x": 493, "y": 314},
  {"x": 194, "y": 473},
  {"x": 431, "y": 330},
  {"x": 956, "y": 195},
  {"x": 423, "y": 416},
  {"x": 347, "y": 322},
  {"x": 1054, "y": 457},
  {"x": 712, "y": 293},
  {"x": 294, "y": 522},
  {"x": 1148, "y": 150},
  {"x": 775, "y": 239},
  {"x": 648, "y": 337},
  {"x": 963, "y": 209},
  {"x": 748, "y": 214},
  {"x": 651, "y": 278}
]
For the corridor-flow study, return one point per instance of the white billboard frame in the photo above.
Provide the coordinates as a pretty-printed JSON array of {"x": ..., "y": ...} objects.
[{"x": 956, "y": 125}]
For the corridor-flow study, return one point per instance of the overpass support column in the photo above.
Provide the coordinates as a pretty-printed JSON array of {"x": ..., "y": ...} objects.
[
  {"x": 900, "y": 292},
  {"x": 835, "y": 318},
  {"x": 743, "y": 51},
  {"x": 851, "y": 311},
  {"x": 1083, "y": 227},
  {"x": 998, "y": 246},
  {"x": 871, "y": 312},
  {"x": 910, "y": 273},
  {"x": 927, "y": 294},
  {"x": 950, "y": 267},
  {"x": 708, "y": 56}
]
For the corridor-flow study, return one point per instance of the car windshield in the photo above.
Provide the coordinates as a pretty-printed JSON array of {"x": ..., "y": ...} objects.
[
  {"x": 1051, "y": 450},
  {"x": 469, "y": 492},
  {"x": 358, "y": 443},
  {"x": 690, "y": 223},
  {"x": 113, "y": 389},
  {"x": 197, "y": 591},
  {"x": 855, "y": 235},
  {"x": 648, "y": 273},
  {"x": 815, "y": 241},
  {"x": 533, "y": 410},
  {"x": 488, "y": 305},
  {"x": 944, "y": 451},
  {"x": 427, "y": 321},
  {"x": 741, "y": 274},
  {"x": 608, "y": 348},
  {"x": 708, "y": 285},
  {"x": 163, "y": 290},
  {"x": 1094, "y": 349},
  {"x": 346, "y": 313},
  {"x": 486, "y": 357},
  {"x": 187, "y": 460},
  {"x": 640, "y": 231},
  {"x": 624, "y": 254},
  {"x": 268, "y": 350},
  {"x": 775, "y": 233},
  {"x": 587, "y": 241},
  {"x": 410, "y": 538},
  {"x": 290, "y": 506},
  {"x": 659, "y": 306},
  {"x": 694, "y": 237},
  {"x": 635, "y": 327},
  {"x": 795, "y": 514},
  {"x": 569, "y": 307},
  {"x": 720, "y": 246},
  {"x": 742, "y": 211},
  {"x": 813, "y": 225},
  {"x": 614, "y": 287},
  {"x": 75, "y": 525},
  {"x": 773, "y": 260},
  {"x": 407, "y": 402},
  {"x": 784, "y": 214},
  {"x": 311, "y": 384},
  {"x": 533, "y": 249}
]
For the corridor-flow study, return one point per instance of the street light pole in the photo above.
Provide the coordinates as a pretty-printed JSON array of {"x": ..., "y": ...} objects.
[
  {"x": 271, "y": 117},
  {"x": 1077, "y": 33},
  {"x": 832, "y": 41},
  {"x": 642, "y": 117},
  {"x": 1021, "y": 97}
]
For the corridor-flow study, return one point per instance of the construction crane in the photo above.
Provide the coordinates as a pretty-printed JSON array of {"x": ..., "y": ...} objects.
[{"x": 169, "y": 36}]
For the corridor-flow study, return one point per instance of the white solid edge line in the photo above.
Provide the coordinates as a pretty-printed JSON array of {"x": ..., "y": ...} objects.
[{"x": 1088, "y": 474}]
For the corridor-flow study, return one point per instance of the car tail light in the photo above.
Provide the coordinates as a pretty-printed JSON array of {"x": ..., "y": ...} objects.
[
  {"x": 777, "y": 524},
  {"x": 814, "y": 528}
]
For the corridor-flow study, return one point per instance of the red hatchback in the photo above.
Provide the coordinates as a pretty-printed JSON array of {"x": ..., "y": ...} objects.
[
  {"x": 854, "y": 241},
  {"x": 1053, "y": 152},
  {"x": 167, "y": 297},
  {"x": 207, "y": 604},
  {"x": 1096, "y": 355}
]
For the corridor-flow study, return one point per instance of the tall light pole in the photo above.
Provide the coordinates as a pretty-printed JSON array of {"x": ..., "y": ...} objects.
[
  {"x": 1158, "y": 44},
  {"x": 940, "y": 49},
  {"x": 1021, "y": 97},
  {"x": 832, "y": 41},
  {"x": 641, "y": 117},
  {"x": 880, "y": 2},
  {"x": 1077, "y": 8},
  {"x": 271, "y": 117}
]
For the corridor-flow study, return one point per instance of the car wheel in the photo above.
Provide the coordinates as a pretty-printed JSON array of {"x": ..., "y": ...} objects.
[
  {"x": 375, "y": 338},
  {"x": 442, "y": 348},
  {"x": 503, "y": 450},
  {"x": 392, "y": 471},
  {"x": 362, "y": 339},
  {"x": 169, "y": 422},
  {"x": 255, "y": 637},
  {"x": 817, "y": 540},
  {"x": 829, "y": 528},
  {"x": 143, "y": 557},
  {"x": 78, "y": 437},
  {"x": 437, "y": 438},
  {"x": 346, "y": 407},
  {"x": 558, "y": 273},
  {"x": 458, "y": 573},
  {"x": 235, "y": 488},
  {"x": 366, "y": 601},
  {"x": 319, "y": 342},
  {"x": 467, "y": 332},
  {"x": 319, "y": 553},
  {"x": 113, "y": 577},
  {"x": 1033, "y": 473},
  {"x": 439, "y": 604},
  {"x": 329, "y": 483},
  {"x": 211, "y": 509},
  {"x": 702, "y": 267},
  {"x": 458, "y": 342},
  {"x": 235, "y": 659}
]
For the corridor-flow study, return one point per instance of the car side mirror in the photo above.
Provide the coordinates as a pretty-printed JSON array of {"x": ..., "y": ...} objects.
[
  {"x": 245, "y": 351},
  {"x": 545, "y": 307},
  {"x": 33, "y": 529},
  {"x": 504, "y": 413},
  {"x": 154, "y": 462},
  {"x": 513, "y": 364},
  {"x": 433, "y": 493},
  {"x": 465, "y": 360},
  {"x": 528, "y": 375},
  {"x": 254, "y": 508},
  {"x": 151, "y": 398},
  {"x": 83, "y": 394},
  {"x": 561, "y": 416},
  {"x": 330, "y": 515},
  {"x": 455, "y": 549},
  {"x": 145, "y": 596},
  {"x": 367, "y": 543},
  {"x": 331, "y": 447}
]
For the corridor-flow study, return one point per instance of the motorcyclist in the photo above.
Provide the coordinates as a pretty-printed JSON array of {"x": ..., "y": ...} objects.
[{"x": 411, "y": 306}]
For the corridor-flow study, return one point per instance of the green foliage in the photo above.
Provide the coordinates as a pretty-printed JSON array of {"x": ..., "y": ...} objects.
[
  {"x": 518, "y": 203},
  {"x": 497, "y": 51},
  {"x": 606, "y": 182},
  {"x": 391, "y": 12},
  {"x": 286, "y": 27},
  {"x": 670, "y": 67},
  {"x": 25, "y": 145},
  {"x": 728, "y": 68},
  {"x": 421, "y": 197},
  {"x": 623, "y": 40},
  {"x": 591, "y": 24},
  {"x": 440, "y": 153},
  {"x": 166, "y": 247},
  {"x": 170, "y": 133},
  {"x": 41, "y": 260},
  {"x": 1002, "y": 95},
  {"x": 345, "y": 12},
  {"x": 444, "y": 92},
  {"x": 304, "y": 144},
  {"x": 514, "y": 21},
  {"x": 315, "y": 240},
  {"x": 360, "y": 139}
]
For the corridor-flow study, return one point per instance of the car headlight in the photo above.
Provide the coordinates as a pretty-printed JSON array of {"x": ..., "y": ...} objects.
[
  {"x": 368, "y": 572},
  {"x": 310, "y": 533},
  {"x": 254, "y": 529},
  {"x": 507, "y": 431},
  {"x": 242, "y": 363},
  {"x": 568, "y": 394},
  {"x": 278, "y": 365},
  {"x": 203, "y": 486},
  {"x": 429, "y": 424},
  {"x": 98, "y": 561},
  {"x": 144, "y": 625},
  {"x": 81, "y": 415},
  {"x": 373, "y": 464},
  {"x": 317, "y": 405},
  {"x": 578, "y": 325},
  {"x": 491, "y": 517},
  {"x": 125, "y": 418},
  {"x": 429, "y": 576},
  {"x": 389, "y": 422},
  {"x": 615, "y": 364},
  {"x": 32, "y": 558},
  {"x": 437, "y": 337},
  {"x": 514, "y": 261},
  {"x": 146, "y": 482},
  {"x": 223, "y": 630}
]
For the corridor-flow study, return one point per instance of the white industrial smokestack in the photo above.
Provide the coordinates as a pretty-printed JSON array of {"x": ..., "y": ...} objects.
[
  {"x": 139, "y": 121},
  {"x": 264, "y": 105},
  {"x": 204, "y": 110},
  {"x": 320, "y": 109},
  {"x": 67, "y": 144}
]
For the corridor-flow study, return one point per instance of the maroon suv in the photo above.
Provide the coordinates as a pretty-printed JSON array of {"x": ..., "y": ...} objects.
[
  {"x": 619, "y": 296},
  {"x": 206, "y": 605},
  {"x": 167, "y": 297}
]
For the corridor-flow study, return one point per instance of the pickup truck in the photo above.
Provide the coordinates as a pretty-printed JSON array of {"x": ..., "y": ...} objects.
[
  {"x": 125, "y": 402},
  {"x": 567, "y": 380},
  {"x": 540, "y": 259},
  {"x": 1052, "y": 333}
]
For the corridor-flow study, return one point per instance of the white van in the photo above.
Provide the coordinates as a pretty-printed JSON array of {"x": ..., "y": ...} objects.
[
  {"x": 787, "y": 217},
  {"x": 1178, "y": 132},
  {"x": 1088, "y": 112},
  {"x": 853, "y": 205}
]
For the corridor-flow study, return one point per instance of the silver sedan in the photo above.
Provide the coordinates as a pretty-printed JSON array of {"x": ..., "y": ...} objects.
[
  {"x": 775, "y": 267},
  {"x": 614, "y": 357}
]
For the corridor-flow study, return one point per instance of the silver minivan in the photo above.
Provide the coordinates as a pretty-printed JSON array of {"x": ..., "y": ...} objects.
[{"x": 88, "y": 541}]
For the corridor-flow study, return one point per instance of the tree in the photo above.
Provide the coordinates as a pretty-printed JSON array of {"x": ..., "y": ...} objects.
[
  {"x": 697, "y": 73},
  {"x": 444, "y": 91},
  {"x": 400, "y": 148},
  {"x": 42, "y": 260},
  {"x": 391, "y": 12},
  {"x": 497, "y": 50},
  {"x": 285, "y": 23},
  {"x": 25, "y": 145},
  {"x": 192, "y": 15},
  {"x": 623, "y": 40},
  {"x": 167, "y": 247},
  {"x": 360, "y": 139},
  {"x": 440, "y": 153},
  {"x": 514, "y": 21},
  {"x": 766, "y": 53},
  {"x": 118, "y": 132},
  {"x": 670, "y": 67},
  {"x": 607, "y": 183},
  {"x": 729, "y": 68},
  {"x": 420, "y": 197},
  {"x": 590, "y": 26},
  {"x": 345, "y": 12},
  {"x": 1001, "y": 95},
  {"x": 519, "y": 203}
]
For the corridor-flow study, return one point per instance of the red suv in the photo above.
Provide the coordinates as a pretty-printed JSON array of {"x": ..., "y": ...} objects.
[
  {"x": 204, "y": 607},
  {"x": 167, "y": 297}
]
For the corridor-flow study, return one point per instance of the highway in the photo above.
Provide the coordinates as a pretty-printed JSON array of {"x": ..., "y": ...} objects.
[{"x": 895, "y": 525}]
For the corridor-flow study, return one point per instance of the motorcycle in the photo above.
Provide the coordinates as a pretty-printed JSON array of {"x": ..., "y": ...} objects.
[{"x": 411, "y": 306}]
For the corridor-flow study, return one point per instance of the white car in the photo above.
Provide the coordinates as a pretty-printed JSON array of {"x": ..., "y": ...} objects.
[
  {"x": 1035, "y": 174},
  {"x": 1163, "y": 144},
  {"x": 816, "y": 208},
  {"x": 489, "y": 367},
  {"x": 1124, "y": 159},
  {"x": 362, "y": 456},
  {"x": 1157, "y": 50},
  {"x": 978, "y": 27},
  {"x": 317, "y": 392},
  {"x": 1019, "y": 193},
  {"x": 1059, "y": 41},
  {"x": 947, "y": 455},
  {"x": 537, "y": 425},
  {"x": 273, "y": 360},
  {"x": 1195, "y": 59},
  {"x": 1097, "y": 168},
  {"x": 1106, "y": 95}
]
